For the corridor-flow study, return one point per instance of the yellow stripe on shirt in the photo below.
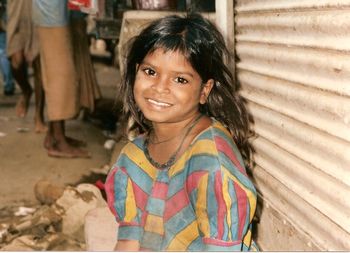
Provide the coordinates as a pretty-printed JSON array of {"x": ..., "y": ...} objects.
[
  {"x": 200, "y": 147},
  {"x": 250, "y": 195},
  {"x": 137, "y": 156},
  {"x": 201, "y": 206},
  {"x": 130, "y": 205},
  {"x": 154, "y": 224},
  {"x": 183, "y": 239},
  {"x": 228, "y": 203}
]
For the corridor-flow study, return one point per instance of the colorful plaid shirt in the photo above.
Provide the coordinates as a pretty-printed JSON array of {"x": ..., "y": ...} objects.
[{"x": 204, "y": 202}]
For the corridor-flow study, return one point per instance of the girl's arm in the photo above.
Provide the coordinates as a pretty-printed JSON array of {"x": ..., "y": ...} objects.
[
  {"x": 121, "y": 201},
  {"x": 127, "y": 245},
  {"x": 225, "y": 207}
]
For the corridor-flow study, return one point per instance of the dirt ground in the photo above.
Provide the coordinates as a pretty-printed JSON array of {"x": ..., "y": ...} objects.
[{"x": 24, "y": 161}]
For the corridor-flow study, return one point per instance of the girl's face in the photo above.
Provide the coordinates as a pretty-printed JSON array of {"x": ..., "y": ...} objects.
[{"x": 167, "y": 89}]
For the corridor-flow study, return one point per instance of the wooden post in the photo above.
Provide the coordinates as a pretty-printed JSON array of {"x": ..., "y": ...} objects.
[{"x": 225, "y": 21}]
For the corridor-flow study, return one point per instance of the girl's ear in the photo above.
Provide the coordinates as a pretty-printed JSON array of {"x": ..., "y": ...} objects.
[{"x": 206, "y": 91}]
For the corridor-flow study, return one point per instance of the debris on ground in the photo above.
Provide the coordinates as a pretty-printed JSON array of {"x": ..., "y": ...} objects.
[
  {"x": 56, "y": 224},
  {"x": 22, "y": 129},
  {"x": 102, "y": 170},
  {"x": 109, "y": 144},
  {"x": 23, "y": 211}
]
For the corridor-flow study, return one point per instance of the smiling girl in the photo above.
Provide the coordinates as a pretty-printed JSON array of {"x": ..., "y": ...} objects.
[{"x": 181, "y": 184}]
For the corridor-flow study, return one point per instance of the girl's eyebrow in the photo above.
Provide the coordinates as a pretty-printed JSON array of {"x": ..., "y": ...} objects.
[
  {"x": 147, "y": 63},
  {"x": 174, "y": 71}
]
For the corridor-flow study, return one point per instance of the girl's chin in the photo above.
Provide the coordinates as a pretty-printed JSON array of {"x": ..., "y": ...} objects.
[{"x": 156, "y": 119}]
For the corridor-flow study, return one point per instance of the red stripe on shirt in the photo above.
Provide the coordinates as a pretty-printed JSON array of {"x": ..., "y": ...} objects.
[
  {"x": 219, "y": 242},
  {"x": 160, "y": 190},
  {"x": 144, "y": 218},
  {"x": 193, "y": 180},
  {"x": 242, "y": 209},
  {"x": 221, "y": 204},
  {"x": 224, "y": 147},
  {"x": 140, "y": 196},
  {"x": 175, "y": 204}
]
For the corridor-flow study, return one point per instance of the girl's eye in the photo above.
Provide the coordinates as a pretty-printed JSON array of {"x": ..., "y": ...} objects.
[
  {"x": 149, "y": 72},
  {"x": 181, "y": 80}
]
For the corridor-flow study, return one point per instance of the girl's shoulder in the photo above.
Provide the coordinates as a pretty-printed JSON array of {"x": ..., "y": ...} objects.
[
  {"x": 215, "y": 130},
  {"x": 216, "y": 140},
  {"x": 134, "y": 146},
  {"x": 136, "y": 142}
]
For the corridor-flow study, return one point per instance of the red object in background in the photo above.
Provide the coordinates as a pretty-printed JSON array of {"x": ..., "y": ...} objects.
[
  {"x": 86, "y": 6},
  {"x": 100, "y": 185},
  {"x": 77, "y": 4}
]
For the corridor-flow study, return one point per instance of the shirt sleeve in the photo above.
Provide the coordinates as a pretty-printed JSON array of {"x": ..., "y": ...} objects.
[
  {"x": 121, "y": 201},
  {"x": 224, "y": 208}
]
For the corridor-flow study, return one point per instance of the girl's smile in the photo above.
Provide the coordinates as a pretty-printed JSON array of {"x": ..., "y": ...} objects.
[
  {"x": 158, "y": 104},
  {"x": 167, "y": 88}
]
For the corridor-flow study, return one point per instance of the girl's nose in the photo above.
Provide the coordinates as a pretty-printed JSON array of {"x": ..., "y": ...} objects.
[{"x": 161, "y": 85}]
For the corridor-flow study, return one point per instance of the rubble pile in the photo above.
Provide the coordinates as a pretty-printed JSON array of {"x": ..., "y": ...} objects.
[{"x": 57, "y": 224}]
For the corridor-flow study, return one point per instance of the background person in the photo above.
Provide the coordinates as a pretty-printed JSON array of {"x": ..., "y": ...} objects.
[
  {"x": 59, "y": 76},
  {"x": 23, "y": 51}
]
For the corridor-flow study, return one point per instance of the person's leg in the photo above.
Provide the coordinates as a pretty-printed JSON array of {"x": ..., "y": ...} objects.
[
  {"x": 74, "y": 142},
  {"x": 40, "y": 126},
  {"x": 5, "y": 67},
  {"x": 57, "y": 144},
  {"x": 49, "y": 139},
  {"x": 19, "y": 71}
]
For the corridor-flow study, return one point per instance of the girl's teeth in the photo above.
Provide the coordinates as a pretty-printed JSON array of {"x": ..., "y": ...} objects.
[{"x": 158, "y": 103}]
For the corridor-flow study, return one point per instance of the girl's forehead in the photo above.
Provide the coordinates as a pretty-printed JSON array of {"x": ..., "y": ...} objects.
[
  {"x": 162, "y": 50},
  {"x": 174, "y": 55},
  {"x": 173, "y": 60}
]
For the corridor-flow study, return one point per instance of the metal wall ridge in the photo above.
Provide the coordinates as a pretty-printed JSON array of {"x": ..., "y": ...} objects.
[
  {"x": 311, "y": 177},
  {"x": 313, "y": 225},
  {"x": 333, "y": 62},
  {"x": 320, "y": 191},
  {"x": 297, "y": 64},
  {"x": 322, "y": 122},
  {"x": 282, "y": 73},
  {"x": 300, "y": 140},
  {"x": 301, "y": 94},
  {"x": 331, "y": 115},
  {"x": 297, "y": 28},
  {"x": 288, "y": 5},
  {"x": 307, "y": 42},
  {"x": 315, "y": 20}
]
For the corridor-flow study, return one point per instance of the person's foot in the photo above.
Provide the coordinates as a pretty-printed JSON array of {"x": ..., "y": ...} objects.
[
  {"x": 40, "y": 127},
  {"x": 23, "y": 104},
  {"x": 67, "y": 151},
  {"x": 49, "y": 142},
  {"x": 73, "y": 153},
  {"x": 76, "y": 142}
]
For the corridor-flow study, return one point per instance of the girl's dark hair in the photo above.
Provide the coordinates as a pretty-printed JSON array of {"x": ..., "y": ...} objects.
[{"x": 204, "y": 47}]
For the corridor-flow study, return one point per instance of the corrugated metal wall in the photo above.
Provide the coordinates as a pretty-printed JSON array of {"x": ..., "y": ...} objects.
[{"x": 294, "y": 67}]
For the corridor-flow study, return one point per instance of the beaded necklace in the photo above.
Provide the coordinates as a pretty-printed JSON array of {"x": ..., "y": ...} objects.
[{"x": 172, "y": 158}]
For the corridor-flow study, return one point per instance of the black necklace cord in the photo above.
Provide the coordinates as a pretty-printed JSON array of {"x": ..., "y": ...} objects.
[{"x": 172, "y": 158}]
